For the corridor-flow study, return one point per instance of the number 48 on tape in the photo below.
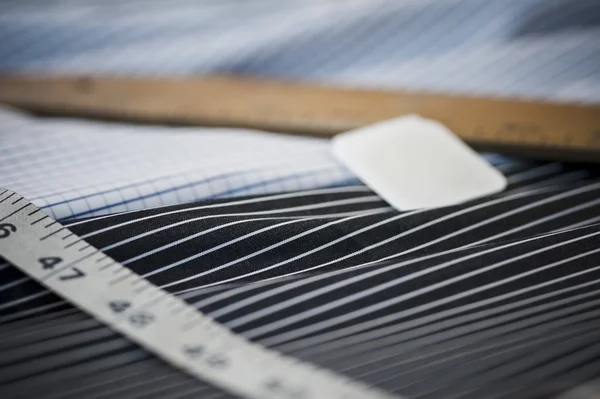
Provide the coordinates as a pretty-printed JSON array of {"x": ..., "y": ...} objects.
[{"x": 154, "y": 319}]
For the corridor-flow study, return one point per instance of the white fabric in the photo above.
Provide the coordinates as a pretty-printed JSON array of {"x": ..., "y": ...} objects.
[{"x": 74, "y": 168}]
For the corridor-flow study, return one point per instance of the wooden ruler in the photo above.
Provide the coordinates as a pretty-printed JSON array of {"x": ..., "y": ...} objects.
[{"x": 536, "y": 129}]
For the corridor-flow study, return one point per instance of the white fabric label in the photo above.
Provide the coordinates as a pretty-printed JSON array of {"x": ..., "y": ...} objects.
[{"x": 414, "y": 162}]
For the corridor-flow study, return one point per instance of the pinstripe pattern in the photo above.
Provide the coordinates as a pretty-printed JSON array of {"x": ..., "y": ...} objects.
[
  {"x": 485, "y": 299},
  {"x": 533, "y": 48},
  {"x": 489, "y": 299}
]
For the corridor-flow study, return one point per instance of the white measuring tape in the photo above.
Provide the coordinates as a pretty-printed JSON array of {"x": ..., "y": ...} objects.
[{"x": 155, "y": 319}]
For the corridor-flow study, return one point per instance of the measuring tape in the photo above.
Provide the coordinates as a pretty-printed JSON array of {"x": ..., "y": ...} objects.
[
  {"x": 160, "y": 322},
  {"x": 512, "y": 126}
]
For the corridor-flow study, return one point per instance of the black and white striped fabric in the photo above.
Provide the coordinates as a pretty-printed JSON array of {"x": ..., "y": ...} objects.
[{"x": 495, "y": 298}]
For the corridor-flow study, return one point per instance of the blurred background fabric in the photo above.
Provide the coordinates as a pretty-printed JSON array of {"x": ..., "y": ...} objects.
[{"x": 533, "y": 48}]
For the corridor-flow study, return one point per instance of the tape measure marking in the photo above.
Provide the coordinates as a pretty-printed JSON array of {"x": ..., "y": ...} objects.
[{"x": 155, "y": 319}]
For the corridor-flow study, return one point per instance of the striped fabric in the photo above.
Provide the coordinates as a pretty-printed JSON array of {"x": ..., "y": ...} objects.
[
  {"x": 496, "y": 298},
  {"x": 533, "y": 48},
  {"x": 488, "y": 299}
]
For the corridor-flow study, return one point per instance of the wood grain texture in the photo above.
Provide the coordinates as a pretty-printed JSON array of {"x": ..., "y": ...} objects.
[{"x": 539, "y": 129}]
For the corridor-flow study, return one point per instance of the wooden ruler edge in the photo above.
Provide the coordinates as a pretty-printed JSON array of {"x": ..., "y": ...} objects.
[{"x": 547, "y": 129}]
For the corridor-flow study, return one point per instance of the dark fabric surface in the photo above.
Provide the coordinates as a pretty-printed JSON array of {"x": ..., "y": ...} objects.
[{"x": 493, "y": 298}]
